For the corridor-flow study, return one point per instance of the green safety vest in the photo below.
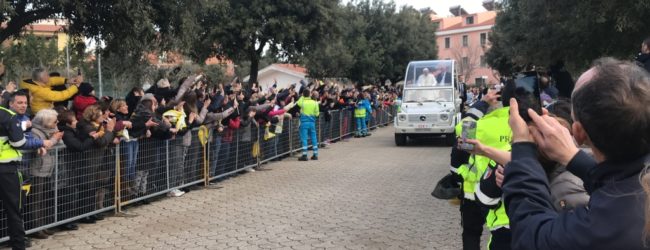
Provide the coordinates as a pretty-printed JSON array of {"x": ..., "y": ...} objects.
[
  {"x": 7, "y": 152},
  {"x": 359, "y": 113},
  {"x": 308, "y": 107},
  {"x": 492, "y": 130}
]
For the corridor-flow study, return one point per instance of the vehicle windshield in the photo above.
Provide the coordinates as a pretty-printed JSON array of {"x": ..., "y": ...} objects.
[
  {"x": 429, "y": 74},
  {"x": 428, "y": 95}
]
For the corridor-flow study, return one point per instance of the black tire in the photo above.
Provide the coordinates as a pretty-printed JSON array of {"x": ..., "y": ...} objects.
[
  {"x": 400, "y": 140},
  {"x": 450, "y": 139}
]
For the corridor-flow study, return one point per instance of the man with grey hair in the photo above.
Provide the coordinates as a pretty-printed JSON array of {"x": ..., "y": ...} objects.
[
  {"x": 611, "y": 116},
  {"x": 40, "y": 88}
]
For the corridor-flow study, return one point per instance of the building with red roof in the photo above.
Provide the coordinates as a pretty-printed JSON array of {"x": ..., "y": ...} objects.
[{"x": 464, "y": 37}]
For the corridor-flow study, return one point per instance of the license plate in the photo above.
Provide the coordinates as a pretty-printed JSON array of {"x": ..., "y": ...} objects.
[
  {"x": 422, "y": 130},
  {"x": 423, "y": 126}
]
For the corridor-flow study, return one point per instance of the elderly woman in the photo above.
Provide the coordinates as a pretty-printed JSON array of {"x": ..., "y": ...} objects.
[
  {"x": 41, "y": 168},
  {"x": 99, "y": 166}
]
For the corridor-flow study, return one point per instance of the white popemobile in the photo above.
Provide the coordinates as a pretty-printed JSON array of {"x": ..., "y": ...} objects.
[{"x": 430, "y": 102}]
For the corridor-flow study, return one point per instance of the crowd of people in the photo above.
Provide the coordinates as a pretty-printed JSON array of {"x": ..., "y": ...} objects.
[
  {"x": 49, "y": 110},
  {"x": 570, "y": 176}
]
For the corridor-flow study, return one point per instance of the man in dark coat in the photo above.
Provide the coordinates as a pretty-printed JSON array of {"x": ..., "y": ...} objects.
[{"x": 614, "y": 216}]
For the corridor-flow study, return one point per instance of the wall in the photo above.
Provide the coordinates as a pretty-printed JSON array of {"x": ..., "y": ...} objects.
[{"x": 284, "y": 80}]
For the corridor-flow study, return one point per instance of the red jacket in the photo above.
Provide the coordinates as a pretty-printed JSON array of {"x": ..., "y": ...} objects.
[{"x": 80, "y": 103}]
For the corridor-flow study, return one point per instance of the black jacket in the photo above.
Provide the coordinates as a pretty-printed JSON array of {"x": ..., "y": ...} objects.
[
  {"x": 74, "y": 141},
  {"x": 613, "y": 218}
]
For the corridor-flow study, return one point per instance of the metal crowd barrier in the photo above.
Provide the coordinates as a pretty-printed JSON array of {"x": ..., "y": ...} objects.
[{"x": 67, "y": 186}]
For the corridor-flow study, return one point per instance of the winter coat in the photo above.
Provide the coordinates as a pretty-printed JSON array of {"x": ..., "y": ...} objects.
[
  {"x": 567, "y": 190},
  {"x": 74, "y": 141},
  {"x": 42, "y": 166},
  {"x": 140, "y": 116},
  {"x": 43, "y": 96},
  {"x": 132, "y": 101},
  {"x": 99, "y": 156},
  {"x": 612, "y": 219}
]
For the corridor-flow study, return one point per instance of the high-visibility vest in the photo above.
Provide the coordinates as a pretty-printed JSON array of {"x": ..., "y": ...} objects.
[
  {"x": 491, "y": 130},
  {"x": 7, "y": 152},
  {"x": 360, "y": 112},
  {"x": 497, "y": 218},
  {"x": 309, "y": 109}
]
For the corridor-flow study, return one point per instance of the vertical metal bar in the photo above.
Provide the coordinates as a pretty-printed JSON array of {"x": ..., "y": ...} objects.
[
  {"x": 237, "y": 149},
  {"x": 118, "y": 180},
  {"x": 56, "y": 185},
  {"x": 99, "y": 69},
  {"x": 167, "y": 162},
  {"x": 259, "y": 149},
  {"x": 320, "y": 126},
  {"x": 67, "y": 59},
  {"x": 291, "y": 137}
]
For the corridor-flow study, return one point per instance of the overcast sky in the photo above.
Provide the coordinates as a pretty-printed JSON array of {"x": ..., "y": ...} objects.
[{"x": 441, "y": 6}]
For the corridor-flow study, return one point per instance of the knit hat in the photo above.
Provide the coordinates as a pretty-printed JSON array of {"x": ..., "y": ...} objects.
[{"x": 85, "y": 88}]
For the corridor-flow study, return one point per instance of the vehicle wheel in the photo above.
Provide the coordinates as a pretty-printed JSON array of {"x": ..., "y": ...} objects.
[
  {"x": 450, "y": 139},
  {"x": 400, "y": 140}
]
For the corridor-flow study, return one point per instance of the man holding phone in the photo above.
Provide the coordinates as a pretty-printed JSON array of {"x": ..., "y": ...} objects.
[
  {"x": 40, "y": 87},
  {"x": 615, "y": 127}
]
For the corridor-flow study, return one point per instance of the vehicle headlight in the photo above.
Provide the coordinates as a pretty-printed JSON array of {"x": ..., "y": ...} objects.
[
  {"x": 402, "y": 118},
  {"x": 444, "y": 117}
]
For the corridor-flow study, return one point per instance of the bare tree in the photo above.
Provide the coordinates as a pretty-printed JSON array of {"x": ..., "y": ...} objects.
[{"x": 467, "y": 59}]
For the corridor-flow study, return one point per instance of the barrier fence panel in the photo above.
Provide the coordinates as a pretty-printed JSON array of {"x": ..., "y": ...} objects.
[
  {"x": 326, "y": 127},
  {"x": 296, "y": 144},
  {"x": 276, "y": 140},
  {"x": 223, "y": 154},
  {"x": 149, "y": 175},
  {"x": 247, "y": 138},
  {"x": 335, "y": 128},
  {"x": 284, "y": 140}
]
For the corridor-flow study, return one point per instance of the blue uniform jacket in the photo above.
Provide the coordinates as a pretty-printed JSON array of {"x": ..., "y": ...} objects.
[{"x": 613, "y": 218}]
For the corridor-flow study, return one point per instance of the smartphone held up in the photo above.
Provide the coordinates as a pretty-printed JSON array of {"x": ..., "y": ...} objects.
[
  {"x": 527, "y": 94},
  {"x": 468, "y": 132}
]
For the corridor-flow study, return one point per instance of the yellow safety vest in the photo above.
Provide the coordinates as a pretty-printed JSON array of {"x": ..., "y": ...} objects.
[
  {"x": 492, "y": 130},
  {"x": 7, "y": 152}
]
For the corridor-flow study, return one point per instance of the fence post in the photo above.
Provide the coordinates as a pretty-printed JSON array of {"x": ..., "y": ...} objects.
[
  {"x": 291, "y": 137},
  {"x": 167, "y": 162},
  {"x": 238, "y": 136},
  {"x": 206, "y": 156},
  {"x": 56, "y": 184},
  {"x": 259, "y": 146},
  {"x": 320, "y": 129},
  {"x": 118, "y": 184}
]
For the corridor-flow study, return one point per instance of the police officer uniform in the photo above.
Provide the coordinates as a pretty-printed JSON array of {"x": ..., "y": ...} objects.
[
  {"x": 11, "y": 138},
  {"x": 492, "y": 130}
]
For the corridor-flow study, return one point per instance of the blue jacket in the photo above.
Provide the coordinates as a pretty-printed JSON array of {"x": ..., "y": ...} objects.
[
  {"x": 613, "y": 218},
  {"x": 30, "y": 141}
]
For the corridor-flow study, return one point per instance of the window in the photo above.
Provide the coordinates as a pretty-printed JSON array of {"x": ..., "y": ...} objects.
[
  {"x": 447, "y": 42},
  {"x": 465, "y": 62},
  {"x": 465, "y": 41},
  {"x": 469, "y": 20},
  {"x": 483, "y": 62},
  {"x": 483, "y": 39}
]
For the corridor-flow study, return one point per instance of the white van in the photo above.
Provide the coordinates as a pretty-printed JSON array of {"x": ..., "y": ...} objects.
[{"x": 430, "y": 102}]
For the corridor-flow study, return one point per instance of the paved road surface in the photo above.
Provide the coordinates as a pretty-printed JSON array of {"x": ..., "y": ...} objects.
[{"x": 362, "y": 194}]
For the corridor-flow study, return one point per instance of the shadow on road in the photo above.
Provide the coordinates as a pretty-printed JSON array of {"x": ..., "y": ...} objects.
[{"x": 427, "y": 142}]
